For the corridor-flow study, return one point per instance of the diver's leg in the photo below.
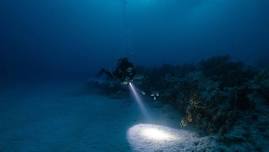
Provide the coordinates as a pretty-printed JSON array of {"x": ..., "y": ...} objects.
[{"x": 105, "y": 72}]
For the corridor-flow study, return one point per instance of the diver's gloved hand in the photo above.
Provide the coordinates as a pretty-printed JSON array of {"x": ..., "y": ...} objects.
[{"x": 126, "y": 81}]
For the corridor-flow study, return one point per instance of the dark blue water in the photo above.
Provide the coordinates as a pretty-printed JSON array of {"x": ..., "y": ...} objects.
[
  {"x": 79, "y": 37},
  {"x": 67, "y": 41}
]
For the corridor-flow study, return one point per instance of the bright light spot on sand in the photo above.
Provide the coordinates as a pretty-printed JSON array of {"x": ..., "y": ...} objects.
[
  {"x": 151, "y": 138},
  {"x": 153, "y": 133},
  {"x": 156, "y": 133}
]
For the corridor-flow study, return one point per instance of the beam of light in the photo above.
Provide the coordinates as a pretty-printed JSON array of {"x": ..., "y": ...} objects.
[
  {"x": 139, "y": 101},
  {"x": 151, "y": 138}
]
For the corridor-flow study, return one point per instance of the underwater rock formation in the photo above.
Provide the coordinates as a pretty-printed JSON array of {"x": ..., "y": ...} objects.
[
  {"x": 213, "y": 95},
  {"x": 227, "y": 72}
]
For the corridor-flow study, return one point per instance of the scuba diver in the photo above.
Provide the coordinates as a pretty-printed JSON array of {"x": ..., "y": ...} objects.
[{"x": 124, "y": 71}]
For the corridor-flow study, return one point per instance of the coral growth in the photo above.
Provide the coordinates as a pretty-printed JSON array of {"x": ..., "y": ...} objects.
[{"x": 212, "y": 95}]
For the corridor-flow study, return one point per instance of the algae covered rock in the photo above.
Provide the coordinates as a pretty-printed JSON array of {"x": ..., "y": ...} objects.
[
  {"x": 226, "y": 71},
  {"x": 211, "y": 94},
  {"x": 260, "y": 83}
]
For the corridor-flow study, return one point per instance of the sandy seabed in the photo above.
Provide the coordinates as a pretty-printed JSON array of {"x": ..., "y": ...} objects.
[
  {"x": 57, "y": 117},
  {"x": 61, "y": 117}
]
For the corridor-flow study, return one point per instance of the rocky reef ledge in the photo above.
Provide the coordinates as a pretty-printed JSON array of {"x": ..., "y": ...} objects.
[{"x": 217, "y": 97}]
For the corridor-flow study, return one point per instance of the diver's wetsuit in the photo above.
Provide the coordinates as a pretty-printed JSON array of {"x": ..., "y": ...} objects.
[{"x": 124, "y": 72}]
